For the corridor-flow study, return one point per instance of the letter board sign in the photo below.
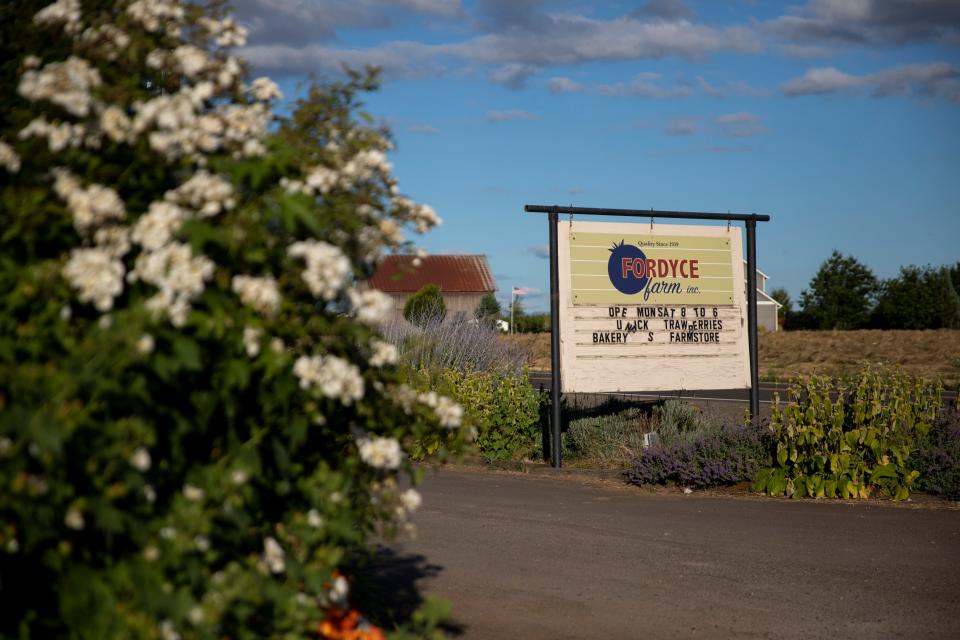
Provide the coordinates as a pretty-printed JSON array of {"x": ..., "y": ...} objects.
[{"x": 651, "y": 307}]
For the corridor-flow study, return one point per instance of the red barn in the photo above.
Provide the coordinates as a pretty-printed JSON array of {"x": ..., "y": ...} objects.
[{"x": 463, "y": 281}]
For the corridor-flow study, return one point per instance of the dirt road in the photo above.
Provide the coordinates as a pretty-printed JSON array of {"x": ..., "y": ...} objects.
[{"x": 531, "y": 557}]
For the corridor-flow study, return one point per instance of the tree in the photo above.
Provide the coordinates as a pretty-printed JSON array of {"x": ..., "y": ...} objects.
[
  {"x": 840, "y": 295},
  {"x": 199, "y": 422},
  {"x": 488, "y": 310},
  {"x": 783, "y": 297},
  {"x": 918, "y": 298},
  {"x": 425, "y": 307}
]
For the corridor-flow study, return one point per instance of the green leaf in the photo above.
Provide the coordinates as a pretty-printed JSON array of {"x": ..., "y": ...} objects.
[{"x": 187, "y": 352}]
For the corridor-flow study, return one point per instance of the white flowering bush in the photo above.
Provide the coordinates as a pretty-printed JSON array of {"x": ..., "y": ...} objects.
[{"x": 198, "y": 420}]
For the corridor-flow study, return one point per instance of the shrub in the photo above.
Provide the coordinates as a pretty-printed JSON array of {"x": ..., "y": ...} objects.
[
  {"x": 464, "y": 346},
  {"x": 720, "y": 456},
  {"x": 938, "y": 457},
  {"x": 836, "y": 439},
  {"x": 680, "y": 422},
  {"x": 198, "y": 421},
  {"x": 608, "y": 440},
  {"x": 501, "y": 406},
  {"x": 425, "y": 307},
  {"x": 487, "y": 311}
]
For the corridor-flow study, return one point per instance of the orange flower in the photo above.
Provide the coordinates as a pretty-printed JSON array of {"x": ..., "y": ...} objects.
[{"x": 348, "y": 625}]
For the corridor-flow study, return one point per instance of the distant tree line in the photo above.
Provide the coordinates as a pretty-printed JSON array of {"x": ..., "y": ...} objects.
[
  {"x": 489, "y": 311},
  {"x": 845, "y": 294}
]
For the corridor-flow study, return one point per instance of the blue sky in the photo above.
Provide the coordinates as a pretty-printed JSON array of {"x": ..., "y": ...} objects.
[{"x": 839, "y": 118}]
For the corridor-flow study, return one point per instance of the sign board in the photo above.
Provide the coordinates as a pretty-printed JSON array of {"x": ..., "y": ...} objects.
[{"x": 651, "y": 307}]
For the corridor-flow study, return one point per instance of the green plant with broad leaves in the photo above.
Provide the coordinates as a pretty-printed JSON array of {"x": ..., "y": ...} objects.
[
  {"x": 501, "y": 405},
  {"x": 845, "y": 439},
  {"x": 199, "y": 421}
]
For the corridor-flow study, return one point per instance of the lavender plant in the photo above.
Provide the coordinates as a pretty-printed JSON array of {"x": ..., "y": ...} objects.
[
  {"x": 198, "y": 418},
  {"x": 463, "y": 345},
  {"x": 938, "y": 456},
  {"x": 725, "y": 455}
]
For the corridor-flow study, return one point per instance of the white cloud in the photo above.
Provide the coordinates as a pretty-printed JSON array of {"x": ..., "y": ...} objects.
[
  {"x": 512, "y": 76},
  {"x": 870, "y": 21},
  {"x": 825, "y": 80},
  {"x": 642, "y": 86},
  {"x": 517, "y": 39},
  {"x": 740, "y": 125},
  {"x": 728, "y": 88},
  {"x": 395, "y": 59},
  {"x": 425, "y": 129},
  {"x": 681, "y": 126},
  {"x": 665, "y": 10},
  {"x": 296, "y": 23},
  {"x": 933, "y": 79},
  {"x": 513, "y": 114},
  {"x": 805, "y": 52}
]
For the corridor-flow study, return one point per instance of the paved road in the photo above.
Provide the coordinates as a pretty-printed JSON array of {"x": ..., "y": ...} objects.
[{"x": 534, "y": 557}]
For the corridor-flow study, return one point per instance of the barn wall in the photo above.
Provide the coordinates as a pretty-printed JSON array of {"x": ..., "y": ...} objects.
[{"x": 465, "y": 303}]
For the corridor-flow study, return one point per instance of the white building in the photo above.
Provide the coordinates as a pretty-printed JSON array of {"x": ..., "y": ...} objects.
[{"x": 768, "y": 309}]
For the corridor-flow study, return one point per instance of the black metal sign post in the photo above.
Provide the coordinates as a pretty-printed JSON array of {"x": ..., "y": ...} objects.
[{"x": 749, "y": 219}]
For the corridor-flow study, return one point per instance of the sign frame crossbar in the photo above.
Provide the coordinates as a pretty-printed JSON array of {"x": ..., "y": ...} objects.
[{"x": 553, "y": 212}]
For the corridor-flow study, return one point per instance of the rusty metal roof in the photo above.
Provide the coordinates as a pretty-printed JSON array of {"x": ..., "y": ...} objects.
[{"x": 452, "y": 274}]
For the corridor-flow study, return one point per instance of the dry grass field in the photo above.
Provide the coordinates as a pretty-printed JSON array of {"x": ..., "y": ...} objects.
[{"x": 786, "y": 354}]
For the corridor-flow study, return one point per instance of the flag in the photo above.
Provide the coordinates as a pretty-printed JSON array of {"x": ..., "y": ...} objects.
[{"x": 517, "y": 291}]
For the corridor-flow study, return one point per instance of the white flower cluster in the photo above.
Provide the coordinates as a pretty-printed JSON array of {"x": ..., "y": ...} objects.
[
  {"x": 264, "y": 89},
  {"x": 391, "y": 232},
  {"x": 180, "y": 123},
  {"x": 225, "y": 32},
  {"x": 92, "y": 207},
  {"x": 115, "y": 123},
  {"x": 365, "y": 165},
  {"x": 404, "y": 396},
  {"x": 97, "y": 276},
  {"x": 244, "y": 128},
  {"x": 9, "y": 159},
  {"x": 273, "y": 555},
  {"x": 145, "y": 344},
  {"x": 109, "y": 39},
  {"x": 140, "y": 460},
  {"x": 59, "y": 135},
  {"x": 156, "y": 228},
  {"x": 179, "y": 276},
  {"x": 251, "y": 341},
  {"x": 384, "y": 353},
  {"x": 449, "y": 413},
  {"x": 66, "y": 84},
  {"x": 191, "y": 61},
  {"x": 168, "y": 631},
  {"x": 65, "y": 12},
  {"x": 205, "y": 193},
  {"x": 178, "y": 127},
  {"x": 193, "y": 493},
  {"x": 158, "y": 15},
  {"x": 74, "y": 520},
  {"x": 319, "y": 180},
  {"x": 333, "y": 376},
  {"x": 327, "y": 268},
  {"x": 114, "y": 240},
  {"x": 410, "y": 500},
  {"x": 371, "y": 307},
  {"x": 380, "y": 453},
  {"x": 423, "y": 216},
  {"x": 260, "y": 293},
  {"x": 339, "y": 592}
]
